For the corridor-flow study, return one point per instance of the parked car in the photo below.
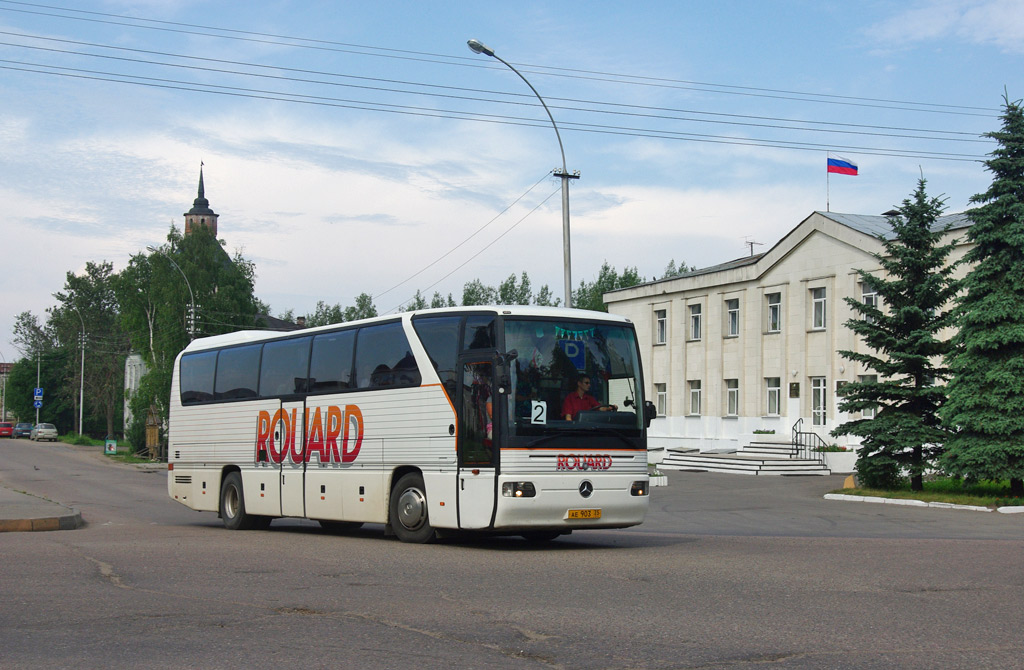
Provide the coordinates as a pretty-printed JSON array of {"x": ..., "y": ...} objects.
[
  {"x": 44, "y": 431},
  {"x": 22, "y": 430},
  {"x": 6, "y": 429}
]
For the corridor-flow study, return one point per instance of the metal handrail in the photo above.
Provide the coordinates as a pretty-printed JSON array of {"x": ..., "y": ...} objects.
[{"x": 808, "y": 445}]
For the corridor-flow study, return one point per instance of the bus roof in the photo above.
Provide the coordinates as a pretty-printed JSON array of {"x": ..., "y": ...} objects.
[{"x": 250, "y": 336}]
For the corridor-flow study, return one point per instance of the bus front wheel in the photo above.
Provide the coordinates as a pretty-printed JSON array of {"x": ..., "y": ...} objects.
[
  {"x": 232, "y": 506},
  {"x": 408, "y": 513}
]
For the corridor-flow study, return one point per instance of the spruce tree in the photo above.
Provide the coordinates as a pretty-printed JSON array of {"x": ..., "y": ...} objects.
[
  {"x": 915, "y": 287},
  {"x": 986, "y": 393}
]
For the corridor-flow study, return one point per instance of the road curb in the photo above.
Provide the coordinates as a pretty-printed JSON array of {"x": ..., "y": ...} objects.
[
  {"x": 921, "y": 503},
  {"x": 70, "y": 521},
  {"x": 22, "y": 512}
]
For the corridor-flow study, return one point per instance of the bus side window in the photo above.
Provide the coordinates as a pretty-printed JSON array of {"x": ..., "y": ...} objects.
[
  {"x": 237, "y": 372},
  {"x": 330, "y": 367},
  {"x": 384, "y": 359},
  {"x": 440, "y": 337},
  {"x": 284, "y": 367},
  {"x": 479, "y": 333},
  {"x": 197, "y": 377}
]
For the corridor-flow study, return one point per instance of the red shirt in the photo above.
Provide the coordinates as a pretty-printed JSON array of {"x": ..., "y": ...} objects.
[{"x": 574, "y": 404}]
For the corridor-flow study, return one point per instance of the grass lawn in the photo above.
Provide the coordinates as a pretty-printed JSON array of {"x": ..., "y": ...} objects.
[
  {"x": 124, "y": 452},
  {"x": 947, "y": 490}
]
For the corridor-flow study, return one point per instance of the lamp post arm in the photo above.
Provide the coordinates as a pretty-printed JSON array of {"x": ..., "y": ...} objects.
[
  {"x": 543, "y": 104},
  {"x": 479, "y": 47},
  {"x": 191, "y": 296}
]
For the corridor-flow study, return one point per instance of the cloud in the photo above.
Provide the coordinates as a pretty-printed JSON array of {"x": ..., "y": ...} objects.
[{"x": 993, "y": 22}]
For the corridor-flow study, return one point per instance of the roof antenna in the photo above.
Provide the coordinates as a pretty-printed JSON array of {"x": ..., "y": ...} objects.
[{"x": 750, "y": 243}]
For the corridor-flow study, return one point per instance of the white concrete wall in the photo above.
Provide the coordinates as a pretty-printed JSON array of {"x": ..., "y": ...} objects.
[{"x": 818, "y": 253}]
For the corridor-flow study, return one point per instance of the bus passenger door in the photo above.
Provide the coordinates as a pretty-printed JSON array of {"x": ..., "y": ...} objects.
[
  {"x": 477, "y": 444},
  {"x": 293, "y": 466}
]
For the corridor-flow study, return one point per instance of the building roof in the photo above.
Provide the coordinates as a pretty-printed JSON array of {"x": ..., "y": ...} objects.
[
  {"x": 876, "y": 226},
  {"x": 201, "y": 205},
  {"x": 868, "y": 224}
]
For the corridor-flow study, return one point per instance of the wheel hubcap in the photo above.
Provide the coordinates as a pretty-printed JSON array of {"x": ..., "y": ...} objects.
[
  {"x": 231, "y": 502},
  {"x": 412, "y": 509}
]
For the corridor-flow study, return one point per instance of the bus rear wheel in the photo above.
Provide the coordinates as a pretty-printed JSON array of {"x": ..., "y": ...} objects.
[
  {"x": 232, "y": 506},
  {"x": 407, "y": 511}
]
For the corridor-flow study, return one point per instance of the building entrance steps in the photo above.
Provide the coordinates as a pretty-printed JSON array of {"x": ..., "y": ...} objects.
[{"x": 757, "y": 458}]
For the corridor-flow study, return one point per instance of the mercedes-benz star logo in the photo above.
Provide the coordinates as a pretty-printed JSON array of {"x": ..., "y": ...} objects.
[{"x": 586, "y": 488}]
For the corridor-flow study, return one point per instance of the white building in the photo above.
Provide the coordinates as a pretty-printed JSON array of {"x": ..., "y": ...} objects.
[
  {"x": 134, "y": 371},
  {"x": 752, "y": 344}
]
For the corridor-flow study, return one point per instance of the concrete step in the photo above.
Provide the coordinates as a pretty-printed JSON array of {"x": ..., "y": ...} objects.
[{"x": 742, "y": 463}]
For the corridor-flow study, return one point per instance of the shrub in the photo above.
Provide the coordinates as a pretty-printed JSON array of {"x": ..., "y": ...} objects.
[{"x": 878, "y": 471}]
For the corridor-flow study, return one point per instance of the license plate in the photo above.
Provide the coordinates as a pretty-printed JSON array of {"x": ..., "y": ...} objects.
[{"x": 584, "y": 514}]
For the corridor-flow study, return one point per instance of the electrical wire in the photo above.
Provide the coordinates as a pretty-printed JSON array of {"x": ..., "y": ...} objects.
[
  {"x": 460, "y": 244},
  {"x": 572, "y": 73},
  {"x": 488, "y": 246},
  {"x": 279, "y": 96}
]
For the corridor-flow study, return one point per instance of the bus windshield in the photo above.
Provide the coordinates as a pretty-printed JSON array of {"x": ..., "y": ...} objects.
[{"x": 573, "y": 375}]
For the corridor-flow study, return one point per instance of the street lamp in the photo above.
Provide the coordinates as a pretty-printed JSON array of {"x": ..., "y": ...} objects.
[
  {"x": 481, "y": 48},
  {"x": 191, "y": 296}
]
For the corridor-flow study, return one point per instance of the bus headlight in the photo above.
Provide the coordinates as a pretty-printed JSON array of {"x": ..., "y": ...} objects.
[
  {"x": 518, "y": 490},
  {"x": 638, "y": 489}
]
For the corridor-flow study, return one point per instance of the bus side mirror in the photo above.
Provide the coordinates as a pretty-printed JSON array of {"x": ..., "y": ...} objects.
[{"x": 650, "y": 413}]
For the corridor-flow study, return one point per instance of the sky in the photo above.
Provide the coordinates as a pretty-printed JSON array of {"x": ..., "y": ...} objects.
[{"x": 354, "y": 147}]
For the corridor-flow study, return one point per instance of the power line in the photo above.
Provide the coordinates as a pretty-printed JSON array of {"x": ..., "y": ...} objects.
[
  {"x": 572, "y": 73},
  {"x": 522, "y": 99},
  {"x": 156, "y": 82},
  {"x": 460, "y": 244},
  {"x": 488, "y": 246}
]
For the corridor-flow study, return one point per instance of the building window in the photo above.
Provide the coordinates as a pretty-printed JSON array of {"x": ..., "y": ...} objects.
[
  {"x": 661, "y": 326},
  {"x": 661, "y": 391},
  {"x": 868, "y": 412},
  {"x": 870, "y": 299},
  {"x": 694, "y": 322},
  {"x": 732, "y": 397},
  {"x": 819, "y": 400},
  {"x": 732, "y": 319},
  {"x": 818, "y": 312},
  {"x": 774, "y": 312},
  {"x": 773, "y": 385},
  {"x": 694, "y": 396}
]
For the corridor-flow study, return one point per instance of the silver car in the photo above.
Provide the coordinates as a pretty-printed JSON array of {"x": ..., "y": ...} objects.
[{"x": 44, "y": 431}]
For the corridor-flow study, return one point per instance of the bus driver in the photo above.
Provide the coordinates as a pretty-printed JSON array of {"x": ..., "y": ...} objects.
[{"x": 580, "y": 400}]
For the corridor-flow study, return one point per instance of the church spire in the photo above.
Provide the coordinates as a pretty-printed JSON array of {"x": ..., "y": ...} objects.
[{"x": 201, "y": 214}]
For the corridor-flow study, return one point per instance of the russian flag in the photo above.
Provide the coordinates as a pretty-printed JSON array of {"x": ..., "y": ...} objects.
[{"x": 840, "y": 165}]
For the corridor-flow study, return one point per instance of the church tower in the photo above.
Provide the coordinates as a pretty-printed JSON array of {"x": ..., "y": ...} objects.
[{"x": 201, "y": 214}]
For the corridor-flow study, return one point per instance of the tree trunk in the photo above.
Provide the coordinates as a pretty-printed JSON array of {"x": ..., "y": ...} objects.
[
  {"x": 917, "y": 479},
  {"x": 1017, "y": 488}
]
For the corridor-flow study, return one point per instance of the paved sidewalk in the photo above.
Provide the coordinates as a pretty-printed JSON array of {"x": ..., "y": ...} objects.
[{"x": 24, "y": 512}]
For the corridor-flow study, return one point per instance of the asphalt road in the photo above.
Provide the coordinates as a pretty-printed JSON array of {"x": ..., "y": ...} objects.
[{"x": 727, "y": 572}]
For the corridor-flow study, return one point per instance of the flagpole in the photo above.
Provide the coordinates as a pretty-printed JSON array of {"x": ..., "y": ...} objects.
[{"x": 827, "y": 185}]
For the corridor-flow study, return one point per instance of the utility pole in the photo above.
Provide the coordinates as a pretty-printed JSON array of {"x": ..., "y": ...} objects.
[{"x": 39, "y": 363}]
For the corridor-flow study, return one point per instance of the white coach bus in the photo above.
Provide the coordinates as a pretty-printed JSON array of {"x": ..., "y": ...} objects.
[{"x": 450, "y": 419}]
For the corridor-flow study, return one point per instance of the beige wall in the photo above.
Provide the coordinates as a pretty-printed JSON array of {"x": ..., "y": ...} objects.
[{"x": 820, "y": 253}]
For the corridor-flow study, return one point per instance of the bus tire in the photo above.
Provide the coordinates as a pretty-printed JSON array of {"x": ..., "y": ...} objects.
[
  {"x": 407, "y": 510},
  {"x": 232, "y": 505}
]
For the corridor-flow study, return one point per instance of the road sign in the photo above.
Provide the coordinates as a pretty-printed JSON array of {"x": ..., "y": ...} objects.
[
  {"x": 37, "y": 404},
  {"x": 37, "y": 394}
]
